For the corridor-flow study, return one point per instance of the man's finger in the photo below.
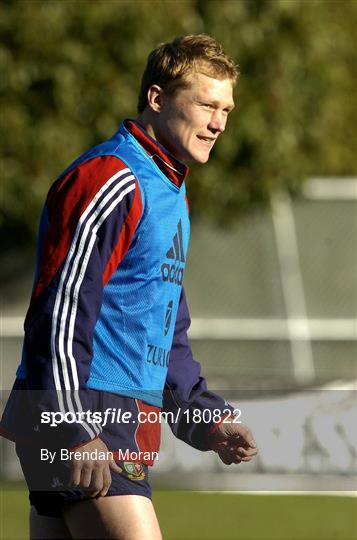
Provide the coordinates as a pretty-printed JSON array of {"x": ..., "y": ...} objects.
[
  {"x": 76, "y": 474},
  {"x": 235, "y": 457},
  {"x": 107, "y": 480},
  {"x": 246, "y": 434},
  {"x": 96, "y": 484},
  {"x": 86, "y": 476},
  {"x": 226, "y": 455},
  {"x": 114, "y": 467},
  {"x": 247, "y": 452}
]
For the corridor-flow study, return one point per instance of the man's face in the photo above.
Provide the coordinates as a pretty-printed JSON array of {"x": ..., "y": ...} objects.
[{"x": 191, "y": 120}]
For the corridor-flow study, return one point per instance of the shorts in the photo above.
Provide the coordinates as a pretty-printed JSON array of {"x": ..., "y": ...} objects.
[
  {"x": 48, "y": 479},
  {"x": 48, "y": 482}
]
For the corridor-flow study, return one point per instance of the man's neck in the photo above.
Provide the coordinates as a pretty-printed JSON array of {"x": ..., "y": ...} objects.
[
  {"x": 146, "y": 124},
  {"x": 174, "y": 169}
]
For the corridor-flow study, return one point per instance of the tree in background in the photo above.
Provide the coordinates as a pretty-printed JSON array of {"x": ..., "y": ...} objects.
[{"x": 70, "y": 71}]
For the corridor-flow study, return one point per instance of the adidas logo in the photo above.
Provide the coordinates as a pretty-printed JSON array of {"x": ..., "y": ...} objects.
[
  {"x": 173, "y": 273},
  {"x": 176, "y": 252}
]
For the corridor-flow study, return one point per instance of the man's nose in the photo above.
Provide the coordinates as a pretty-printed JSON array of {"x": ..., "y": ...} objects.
[{"x": 218, "y": 121}]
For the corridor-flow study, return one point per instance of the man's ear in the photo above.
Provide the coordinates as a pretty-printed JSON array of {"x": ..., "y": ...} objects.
[{"x": 155, "y": 97}]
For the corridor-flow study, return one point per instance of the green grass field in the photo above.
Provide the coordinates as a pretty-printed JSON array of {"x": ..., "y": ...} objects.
[{"x": 187, "y": 515}]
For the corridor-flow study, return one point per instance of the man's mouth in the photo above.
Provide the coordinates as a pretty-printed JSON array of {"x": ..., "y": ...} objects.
[{"x": 209, "y": 141}]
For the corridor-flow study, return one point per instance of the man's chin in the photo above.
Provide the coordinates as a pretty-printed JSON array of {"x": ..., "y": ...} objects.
[
  {"x": 200, "y": 158},
  {"x": 196, "y": 156}
]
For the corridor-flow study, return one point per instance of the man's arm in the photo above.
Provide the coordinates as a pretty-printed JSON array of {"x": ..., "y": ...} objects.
[
  {"x": 186, "y": 392},
  {"x": 88, "y": 223}
]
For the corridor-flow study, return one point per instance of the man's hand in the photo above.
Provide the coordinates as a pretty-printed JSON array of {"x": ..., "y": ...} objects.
[
  {"x": 233, "y": 442},
  {"x": 93, "y": 475}
]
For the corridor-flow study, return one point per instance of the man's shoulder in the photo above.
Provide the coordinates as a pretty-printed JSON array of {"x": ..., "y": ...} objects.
[
  {"x": 88, "y": 176},
  {"x": 98, "y": 159}
]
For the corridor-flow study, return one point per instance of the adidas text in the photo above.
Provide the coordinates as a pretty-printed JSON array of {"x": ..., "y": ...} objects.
[{"x": 172, "y": 273}]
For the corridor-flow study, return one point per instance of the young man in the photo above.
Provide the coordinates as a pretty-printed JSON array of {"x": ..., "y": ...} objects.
[{"x": 106, "y": 330}]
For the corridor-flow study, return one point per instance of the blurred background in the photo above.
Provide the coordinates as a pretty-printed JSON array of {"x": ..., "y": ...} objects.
[{"x": 271, "y": 275}]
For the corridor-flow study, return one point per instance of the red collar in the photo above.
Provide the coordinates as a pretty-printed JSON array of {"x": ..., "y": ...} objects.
[{"x": 175, "y": 170}]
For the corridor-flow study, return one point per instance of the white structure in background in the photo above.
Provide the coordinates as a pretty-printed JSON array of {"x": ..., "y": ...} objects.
[{"x": 297, "y": 328}]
